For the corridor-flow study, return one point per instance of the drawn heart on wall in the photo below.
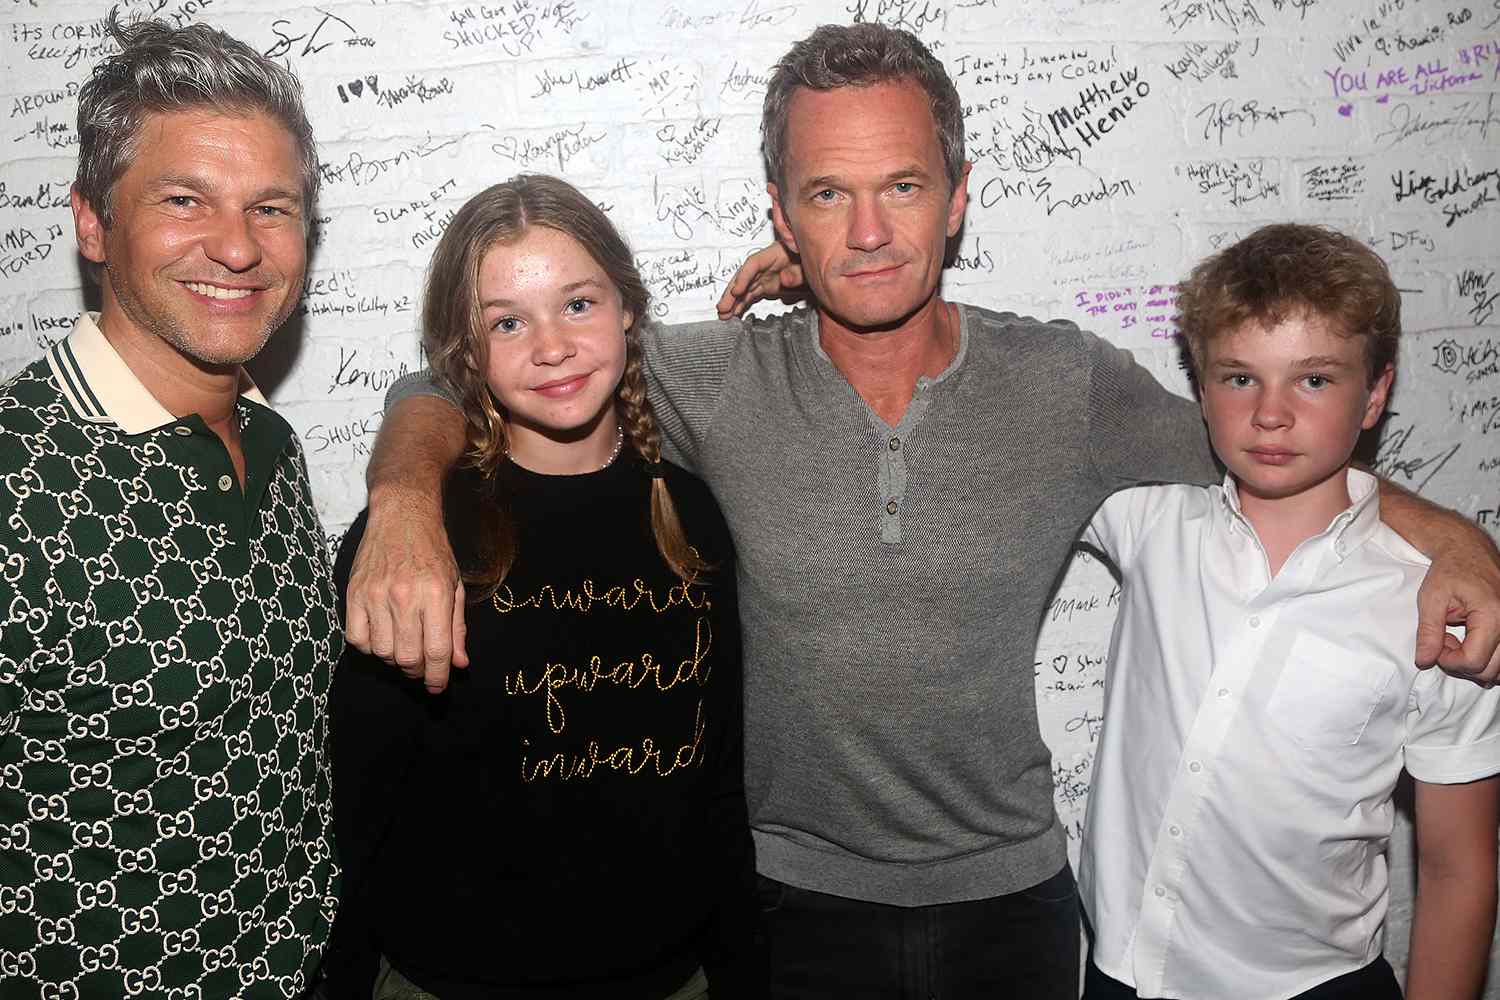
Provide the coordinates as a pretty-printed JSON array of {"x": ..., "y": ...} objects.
[
  {"x": 357, "y": 87},
  {"x": 1346, "y": 110}
]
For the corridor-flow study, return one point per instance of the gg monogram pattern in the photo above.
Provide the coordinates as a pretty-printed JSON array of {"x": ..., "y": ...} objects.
[{"x": 166, "y": 648}]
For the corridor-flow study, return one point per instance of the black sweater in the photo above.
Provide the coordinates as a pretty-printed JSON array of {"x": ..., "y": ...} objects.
[{"x": 568, "y": 818}]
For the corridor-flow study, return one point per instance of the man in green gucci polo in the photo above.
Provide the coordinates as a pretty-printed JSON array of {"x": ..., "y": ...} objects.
[{"x": 167, "y": 624}]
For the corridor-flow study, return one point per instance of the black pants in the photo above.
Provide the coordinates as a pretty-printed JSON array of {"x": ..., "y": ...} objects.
[
  {"x": 1376, "y": 981},
  {"x": 1023, "y": 945}
]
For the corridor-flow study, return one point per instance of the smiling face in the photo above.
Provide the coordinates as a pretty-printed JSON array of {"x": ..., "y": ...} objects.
[
  {"x": 208, "y": 248},
  {"x": 1285, "y": 406},
  {"x": 865, "y": 201},
  {"x": 556, "y": 342}
]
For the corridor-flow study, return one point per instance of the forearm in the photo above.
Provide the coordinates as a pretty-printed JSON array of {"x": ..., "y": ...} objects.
[
  {"x": 1454, "y": 916},
  {"x": 420, "y": 439},
  {"x": 1428, "y": 527},
  {"x": 1450, "y": 934}
]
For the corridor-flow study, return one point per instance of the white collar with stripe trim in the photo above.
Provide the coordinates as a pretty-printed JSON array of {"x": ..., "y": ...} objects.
[{"x": 101, "y": 388}]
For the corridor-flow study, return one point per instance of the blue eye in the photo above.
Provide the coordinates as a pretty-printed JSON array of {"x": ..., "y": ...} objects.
[
  {"x": 578, "y": 306},
  {"x": 905, "y": 187},
  {"x": 506, "y": 324},
  {"x": 1317, "y": 381}
]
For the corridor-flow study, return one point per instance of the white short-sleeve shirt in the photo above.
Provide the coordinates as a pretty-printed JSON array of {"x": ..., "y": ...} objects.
[{"x": 1254, "y": 731}]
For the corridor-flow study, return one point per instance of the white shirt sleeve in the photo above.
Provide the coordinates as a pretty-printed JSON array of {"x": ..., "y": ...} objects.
[
  {"x": 1120, "y": 522},
  {"x": 1453, "y": 730}
]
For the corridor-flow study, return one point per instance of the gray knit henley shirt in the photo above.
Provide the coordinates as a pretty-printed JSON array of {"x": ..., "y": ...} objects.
[{"x": 892, "y": 581}]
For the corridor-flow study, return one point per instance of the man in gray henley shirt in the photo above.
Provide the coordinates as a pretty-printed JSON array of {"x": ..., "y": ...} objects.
[{"x": 903, "y": 477}]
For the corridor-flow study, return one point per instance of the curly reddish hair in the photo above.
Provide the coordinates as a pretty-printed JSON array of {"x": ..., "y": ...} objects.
[{"x": 1289, "y": 269}]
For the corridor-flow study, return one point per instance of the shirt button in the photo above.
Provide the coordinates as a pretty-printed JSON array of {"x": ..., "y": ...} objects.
[
  {"x": 1255, "y": 621},
  {"x": 1160, "y": 892},
  {"x": 182, "y": 430},
  {"x": 895, "y": 444},
  {"x": 1175, "y": 831},
  {"x": 1195, "y": 767},
  {"x": 225, "y": 483},
  {"x": 892, "y": 507},
  {"x": 1223, "y": 692}
]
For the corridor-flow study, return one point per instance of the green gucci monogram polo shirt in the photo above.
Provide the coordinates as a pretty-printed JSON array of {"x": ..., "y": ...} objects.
[{"x": 167, "y": 639}]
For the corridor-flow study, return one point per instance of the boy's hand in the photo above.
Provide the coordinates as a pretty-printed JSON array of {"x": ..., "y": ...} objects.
[
  {"x": 1462, "y": 588},
  {"x": 766, "y": 274}
]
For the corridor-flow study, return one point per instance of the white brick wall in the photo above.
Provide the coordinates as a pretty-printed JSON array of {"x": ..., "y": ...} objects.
[{"x": 1378, "y": 116}]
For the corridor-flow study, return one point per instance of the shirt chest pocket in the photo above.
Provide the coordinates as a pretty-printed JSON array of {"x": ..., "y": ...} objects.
[{"x": 1327, "y": 693}]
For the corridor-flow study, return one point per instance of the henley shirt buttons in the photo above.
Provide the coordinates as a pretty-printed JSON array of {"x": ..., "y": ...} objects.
[
  {"x": 892, "y": 507},
  {"x": 1195, "y": 767},
  {"x": 1160, "y": 893},
  {"x": 182, "y": 430},
  {"x": 225, "y": 483},
  {"x": 895, "y": 444},
  {"x": 1175, "y": 831},
  {"x": 1255, "y": 621},
  {"x": 1223, "y": 692}
]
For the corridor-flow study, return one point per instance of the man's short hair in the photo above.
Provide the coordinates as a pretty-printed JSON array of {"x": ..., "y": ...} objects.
[
  {"x": 859, "y": 55},
  {"x": 161, "y": 69},
  {"x": 1285, "y": 270}
]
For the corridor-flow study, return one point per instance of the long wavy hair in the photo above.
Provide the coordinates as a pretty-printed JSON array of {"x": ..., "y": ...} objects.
[{"x": 457, "y": 347}]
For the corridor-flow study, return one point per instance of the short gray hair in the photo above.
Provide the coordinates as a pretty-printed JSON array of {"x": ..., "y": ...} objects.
[
  {"x": 162, "y": 69},
  {"x": 858, "y": 55}
]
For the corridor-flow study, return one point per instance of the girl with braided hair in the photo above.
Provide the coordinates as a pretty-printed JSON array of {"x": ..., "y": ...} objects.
[{"x": 586, "y": 768}]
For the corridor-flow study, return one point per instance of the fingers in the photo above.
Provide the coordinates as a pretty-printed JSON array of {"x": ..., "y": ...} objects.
[
  {"x": 1430, "y": 643},
  {"x": 1477, "y": 657},
  {"x": 356, "y": 624},
  {"x": 442, "y": 637},
  {"x": 414, "y": 621},
  {"x": 404, "y": 596},
  {"x": 460, "y": 628},
  {"x": 367, "y": 618},
  {"x": 763, "y": 275},
  {"x": 742, "y": 294},
  {"x": 728, "y": 304},
  {"x": 1433, "y": 607},
  {"x": 383, "y": 634}
]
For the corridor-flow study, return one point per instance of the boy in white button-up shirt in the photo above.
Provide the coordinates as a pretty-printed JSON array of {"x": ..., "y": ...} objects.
[{"x": 1261, "y": 700}]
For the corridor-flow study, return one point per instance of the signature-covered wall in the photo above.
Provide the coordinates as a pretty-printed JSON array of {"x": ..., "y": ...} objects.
[{"x": 1114, "y": 142}]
